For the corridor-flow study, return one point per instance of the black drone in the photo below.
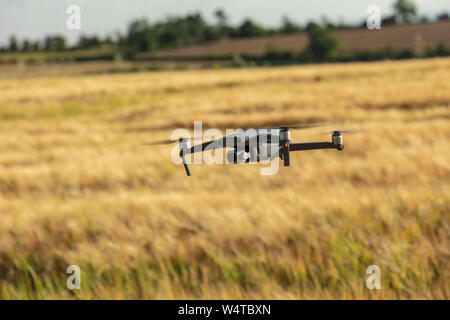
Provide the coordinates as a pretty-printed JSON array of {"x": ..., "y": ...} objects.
[{"x": 254, "y": 145}]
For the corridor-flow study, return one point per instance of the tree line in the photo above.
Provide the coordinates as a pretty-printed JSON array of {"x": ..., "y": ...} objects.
[{"x": 141, "y": 35}]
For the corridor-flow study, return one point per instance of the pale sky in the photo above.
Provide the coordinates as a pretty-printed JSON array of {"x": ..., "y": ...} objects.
[{"x": 36, "y": 18}]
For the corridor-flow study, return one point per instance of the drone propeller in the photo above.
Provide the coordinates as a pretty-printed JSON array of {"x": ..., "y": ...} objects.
[
  {"x": 169, "y": 141},
  {"x": 346, "y": 131},
  {"x": 300, "y": 126},
  {"x": 285, "y": 127},
  {"x": 303, "y": 126}
]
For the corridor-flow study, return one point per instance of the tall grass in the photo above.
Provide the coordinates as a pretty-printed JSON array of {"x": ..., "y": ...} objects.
[{"x": 77, "y": 186}]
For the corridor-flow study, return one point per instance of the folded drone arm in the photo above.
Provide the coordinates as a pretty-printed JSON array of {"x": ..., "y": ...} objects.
[{"x": 312, "y": 146}]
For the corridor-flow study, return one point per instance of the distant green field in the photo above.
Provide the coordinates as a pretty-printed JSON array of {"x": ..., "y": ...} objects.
[{"x": 103, "y": 53}]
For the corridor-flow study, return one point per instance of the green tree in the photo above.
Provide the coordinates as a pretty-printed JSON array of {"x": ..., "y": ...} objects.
[
  {"x": 311, "y": 26},
  {"x": 86, "y": 42},
  {"x": 443, "y": 16},
  {"x": 35, "y": 46},
  {"x": 138, "y": 37},
  {"x": 323, "y": 45},
  {"x": 288, "y": 26},
  {"x": 250, "y": 29},
  {"x": 221, "y": 17},
  {"x": 54, "y": 43},
  {"x": 405, "y": 10},
  {"x": 13, "y": 46},
  {"x": 26, "y": 45}
]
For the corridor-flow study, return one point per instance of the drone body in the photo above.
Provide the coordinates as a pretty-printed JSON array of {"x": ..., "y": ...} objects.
[{"x": 255, "y": 145}]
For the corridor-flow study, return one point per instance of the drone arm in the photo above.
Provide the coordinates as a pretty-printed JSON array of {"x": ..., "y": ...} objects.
[{"x": 312, "y": 146}]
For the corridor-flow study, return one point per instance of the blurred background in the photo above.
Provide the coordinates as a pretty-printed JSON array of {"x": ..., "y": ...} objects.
[
  {"x": 149, "y": 35},
  {"x": 84, "y": 85}
]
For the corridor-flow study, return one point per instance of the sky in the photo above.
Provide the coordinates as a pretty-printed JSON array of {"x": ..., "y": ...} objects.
[{"x": 34, "y": 19}]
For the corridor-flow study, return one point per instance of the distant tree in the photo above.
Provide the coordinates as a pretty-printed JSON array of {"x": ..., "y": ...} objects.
[
  {"x": 250, "y": 29},
  {"x": 168, "y": 36},
  {"x": 405, "y": 10},
  {"x": 13, "y": 46},
  {"x": 326, "y": 23},
  {"x": 139, "y": 37},
  {"x": 288, "y": 26},
  {"x": 343, "y": 25},
  {"x": 211, "y": 34},
  {"x": 174, "y": 31},
  {"x": 108, "y": 39},
  {"x": 222, "y": 18},
  {"x": 26, "y": 45},
  {"x": 443, "y": 16},
  {"x": 54, "y": 43},
  {"x": 389, "y": 20},
  {"x": 86, "y": 42},
  {"x": 405, "y": 54},
  {"x": 310, "y": 26},
  {"x": 443, "y": 50},
  {"x": 35, "y": 46},
  {"x": 323, "y": 45}
]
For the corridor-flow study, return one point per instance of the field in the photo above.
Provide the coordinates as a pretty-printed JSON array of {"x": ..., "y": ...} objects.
[
  {"x": 79, "y": 188},
  {"x": 416, "y": 37},
  {"x": 101, "y": 53},
  {"x": 58, "y": 69}
]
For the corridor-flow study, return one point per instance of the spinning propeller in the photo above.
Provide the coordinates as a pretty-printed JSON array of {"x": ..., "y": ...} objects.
[{"x": 169, "y": 141}]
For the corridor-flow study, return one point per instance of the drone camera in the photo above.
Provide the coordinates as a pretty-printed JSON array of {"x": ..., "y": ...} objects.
[{"x": 235, "y": 157}]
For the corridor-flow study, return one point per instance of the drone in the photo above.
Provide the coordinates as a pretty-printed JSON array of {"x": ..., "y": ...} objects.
[{"x": 255, "y": 145}]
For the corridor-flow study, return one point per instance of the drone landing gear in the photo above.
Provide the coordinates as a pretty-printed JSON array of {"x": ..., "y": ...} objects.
[
  {"x": 285, "y": 137},
  {"x": 186, "y": 167},
  {"x": 286, "y": 158},
  {"x": 184, "y": 145}
]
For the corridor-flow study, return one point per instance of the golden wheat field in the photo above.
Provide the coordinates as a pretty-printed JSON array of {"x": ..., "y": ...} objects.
[{"x": 78, "y": 187}]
